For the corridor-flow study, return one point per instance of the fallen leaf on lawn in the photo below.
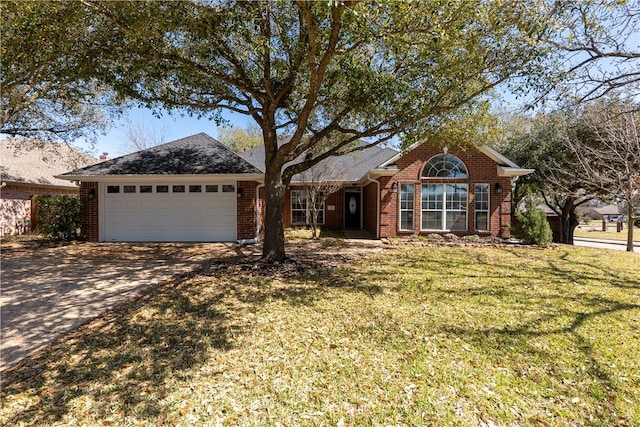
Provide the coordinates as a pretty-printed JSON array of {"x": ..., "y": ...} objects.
[
  {"x": 184, "y": 410},
  {"x": 541, "y": 423}
]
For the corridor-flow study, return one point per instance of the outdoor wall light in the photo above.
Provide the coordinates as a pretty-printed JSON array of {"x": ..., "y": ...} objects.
[
  {"x": 394, "y": 187},
  {"x": 239, "y": 192},
  {"x": 91, "y": 194},
  {"x": 498, "y": 188}
]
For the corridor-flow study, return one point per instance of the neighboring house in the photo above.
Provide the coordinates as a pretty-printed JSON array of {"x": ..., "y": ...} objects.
[
  {"x": 27, "y": 170},
  {"x": 610, "y": 211},
  {"x": 196, "y": 189}
]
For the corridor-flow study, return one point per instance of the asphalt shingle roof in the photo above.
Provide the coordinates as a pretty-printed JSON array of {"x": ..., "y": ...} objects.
[
  {"x": 36, "y": 162},
  {"x": 197, "y": 154},
  {"x": 347, "y": 168}
]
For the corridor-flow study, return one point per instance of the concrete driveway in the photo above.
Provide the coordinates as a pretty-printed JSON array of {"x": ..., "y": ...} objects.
[{"x": 48, "y": 291}]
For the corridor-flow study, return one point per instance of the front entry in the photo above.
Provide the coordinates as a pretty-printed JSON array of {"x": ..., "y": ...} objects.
[{"x": 352, "y": 210}]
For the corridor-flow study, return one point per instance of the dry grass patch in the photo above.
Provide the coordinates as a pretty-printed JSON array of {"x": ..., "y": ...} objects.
[{"x": 419, "y": 336}]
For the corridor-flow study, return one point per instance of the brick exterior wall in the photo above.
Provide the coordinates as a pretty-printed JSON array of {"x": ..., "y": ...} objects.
[
  {"x": 246, "y": 210},
  {"x": 89, "y": 211},
  {"x": 334, "y": 218},
  {"x": 370, "y": 208},
  {"x": 481, "y": 170},
  {"x": 18, "y": 210}
]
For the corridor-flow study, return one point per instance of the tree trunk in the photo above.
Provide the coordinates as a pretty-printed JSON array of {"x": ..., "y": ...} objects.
[
  {"x": 273, "y": 248},
  {"x": 630, "y": 218},
  {"x": 568, "y": 221}
]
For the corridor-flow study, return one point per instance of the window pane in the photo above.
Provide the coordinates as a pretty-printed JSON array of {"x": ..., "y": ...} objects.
[
  {"x": 146, "y": 189},
  {"x": 406, "y": 220},
  {"x": 162, "y": 188},
  {"x": 481, "y": 205},
  {"x": 178, "y": 188},
  {"x": 432, "y": 220},
  {"x": 211, "y": 188},
  {"x": 482, "y": 221},
  {"x": 113, "y": 188},
  {"x": 129, "y": 188},
  {"x": 298, "y": 207},
  {"x": 195, "y": 189},
  {"x": 407, "y": 197},
  {"x": 228, "y": 188},
  {"x": 456, "y": 221},
  {"x": 444, "y": 166}
]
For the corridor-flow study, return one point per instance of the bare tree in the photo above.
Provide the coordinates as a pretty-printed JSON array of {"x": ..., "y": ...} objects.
[
  {"x": 141, "y": 136},
  {"x": 319, "y": 186},
  {"x": 601, "y": 54},
  {"x": 608, "y": 154}
]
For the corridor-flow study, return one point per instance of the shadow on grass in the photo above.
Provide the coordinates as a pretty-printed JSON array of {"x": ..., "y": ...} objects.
[
  {"x": 542, "y": 313},
  {"x": 122, "y": 362}
]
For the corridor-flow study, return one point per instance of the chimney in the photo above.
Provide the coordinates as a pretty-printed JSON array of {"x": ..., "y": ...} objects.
[{"x": 104, "y": 156}]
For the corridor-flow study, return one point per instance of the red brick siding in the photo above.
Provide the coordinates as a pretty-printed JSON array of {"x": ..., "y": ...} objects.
[
  {"x": 246, "y": 210},
  {"x": 481, "y": 169},
  {"x": 370, "y": 208},
  {"x": 19, "y": 205},
  {"x": 89, "y": 223},
  {"x": 334, "y": 219},
  {"x": 26, "y": 191}
]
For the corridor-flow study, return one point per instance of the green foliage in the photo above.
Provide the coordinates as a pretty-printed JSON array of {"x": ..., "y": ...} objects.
[
  {"x": 240, "y": 140},
  {"x": 59, "y": 217},
  {"x": 47, "y": 93},
  {"x": 470, "y": 238},
  {"x": 532, "y": 225}
]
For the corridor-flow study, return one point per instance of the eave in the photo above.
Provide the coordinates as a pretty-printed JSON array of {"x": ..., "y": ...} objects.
[
  {"x": 163, "y": 178},
  {"x": 513, "y": 171}
]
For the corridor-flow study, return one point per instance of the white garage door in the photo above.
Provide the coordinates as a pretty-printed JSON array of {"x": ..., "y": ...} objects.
[{"x": 170, "y": 212}]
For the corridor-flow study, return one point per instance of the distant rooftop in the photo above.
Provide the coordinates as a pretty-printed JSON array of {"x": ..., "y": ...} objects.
[{"x": 35, "y": 162}]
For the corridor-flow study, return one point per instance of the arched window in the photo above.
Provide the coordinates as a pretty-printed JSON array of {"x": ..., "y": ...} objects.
[
  {"x": 444, "y": 204},
  {"x": 444, "y": 166}
]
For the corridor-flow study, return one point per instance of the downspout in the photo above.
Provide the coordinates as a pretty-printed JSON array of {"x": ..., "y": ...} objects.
[{"x": 369, "y": 179}]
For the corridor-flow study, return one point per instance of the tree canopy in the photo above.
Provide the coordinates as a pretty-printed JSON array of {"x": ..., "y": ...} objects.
[
  {"x": 323, "y": 73},
  {"x": 44, "y": 94}
]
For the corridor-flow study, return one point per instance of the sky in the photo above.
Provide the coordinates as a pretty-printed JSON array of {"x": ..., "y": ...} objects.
[{"x": 115, "y": 141}]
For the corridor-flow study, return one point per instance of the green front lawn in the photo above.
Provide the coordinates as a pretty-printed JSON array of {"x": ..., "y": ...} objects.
[
  {"x": 448, "y": 336},
  {"x": 611, "y": 234}
]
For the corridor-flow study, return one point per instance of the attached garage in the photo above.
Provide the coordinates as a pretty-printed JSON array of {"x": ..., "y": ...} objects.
[
  {"x": 189, "y": 190},
  {"x": 170, "y": 212}
]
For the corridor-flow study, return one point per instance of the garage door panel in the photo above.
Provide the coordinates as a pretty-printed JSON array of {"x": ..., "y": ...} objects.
[{"x": 204, "y": 216}]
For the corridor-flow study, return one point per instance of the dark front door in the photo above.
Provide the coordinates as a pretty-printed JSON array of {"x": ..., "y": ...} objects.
[{"x": 352, "y": 210}]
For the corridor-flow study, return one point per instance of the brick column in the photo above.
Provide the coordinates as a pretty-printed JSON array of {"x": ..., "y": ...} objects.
[{"x": 89, "y": 211}]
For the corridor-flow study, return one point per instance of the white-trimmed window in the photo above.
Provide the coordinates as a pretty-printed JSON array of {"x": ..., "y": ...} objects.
[
  {"x": 407, "y": 197},
  {"x": 481, "y": 207},
  {"x": 300, "y": 208},
  {"x": 444, "y": 207}
]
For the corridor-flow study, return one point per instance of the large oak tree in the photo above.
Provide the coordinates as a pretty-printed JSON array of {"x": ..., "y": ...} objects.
[
  {"x": 43, "y": 94},
  {"x": 323, "y": 74}
]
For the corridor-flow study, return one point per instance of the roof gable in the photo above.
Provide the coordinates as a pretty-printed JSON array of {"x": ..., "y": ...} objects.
[
  {"x": 36, "y": 162},
  {"x": 505, "y": 166},
  {"x": 197, "y": 154}
]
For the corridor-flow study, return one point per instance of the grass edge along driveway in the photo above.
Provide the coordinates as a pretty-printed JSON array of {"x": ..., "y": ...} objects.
[{"x": 415, "y": 336}]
